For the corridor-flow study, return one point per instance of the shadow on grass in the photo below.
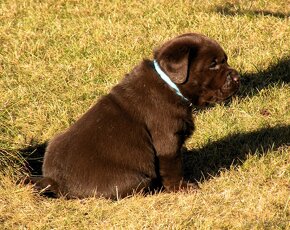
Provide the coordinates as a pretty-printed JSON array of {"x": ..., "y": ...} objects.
[
  {"x": 231, "y": 151},
  {"x": 230, "y": 9},
  {"x": 33, "y": 155},
  {"x": 278, "y": 74}
]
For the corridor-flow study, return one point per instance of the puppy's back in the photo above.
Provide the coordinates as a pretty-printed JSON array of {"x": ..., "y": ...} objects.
[{"x": 107, "y": 152}]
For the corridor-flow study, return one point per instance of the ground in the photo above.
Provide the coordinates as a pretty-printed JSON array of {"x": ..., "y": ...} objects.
[{"x": 58, "y": 57}]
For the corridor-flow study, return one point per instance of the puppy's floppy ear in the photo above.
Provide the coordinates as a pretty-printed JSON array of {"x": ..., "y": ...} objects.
[{"x": 175, "y": 56}]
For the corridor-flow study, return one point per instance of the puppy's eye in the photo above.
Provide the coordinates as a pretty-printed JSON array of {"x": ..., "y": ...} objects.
[{"x": 213, "y": 64}]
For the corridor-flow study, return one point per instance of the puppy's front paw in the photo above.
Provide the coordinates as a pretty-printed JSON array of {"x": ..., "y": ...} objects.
[
  {"x": 182, "y": 186},
  {"x": 185, "y": 185}
]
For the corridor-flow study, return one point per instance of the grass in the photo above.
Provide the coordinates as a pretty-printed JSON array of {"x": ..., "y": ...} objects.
[{"x": 58, "y": 57}]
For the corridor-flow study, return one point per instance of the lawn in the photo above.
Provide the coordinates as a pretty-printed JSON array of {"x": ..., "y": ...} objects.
[{"x": 58, "y": 57}]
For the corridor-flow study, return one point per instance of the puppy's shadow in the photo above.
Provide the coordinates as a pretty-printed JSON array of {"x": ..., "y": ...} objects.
[
  {"x": 33, "y": 155},
  {"x": 231, "y": 151}
]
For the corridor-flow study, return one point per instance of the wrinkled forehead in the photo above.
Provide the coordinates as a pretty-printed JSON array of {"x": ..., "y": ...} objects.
[{"x": 212, "y": 49}]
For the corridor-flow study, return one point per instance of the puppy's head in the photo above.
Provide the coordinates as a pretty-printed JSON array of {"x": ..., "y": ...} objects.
[{"x": 198, "y": 65}]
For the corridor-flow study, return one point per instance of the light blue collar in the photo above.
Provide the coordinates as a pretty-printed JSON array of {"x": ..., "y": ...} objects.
[{"x": 168, "y": 80}]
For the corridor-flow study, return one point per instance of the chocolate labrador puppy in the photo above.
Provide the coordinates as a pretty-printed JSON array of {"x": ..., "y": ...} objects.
[{"x": 131, "y": 139}]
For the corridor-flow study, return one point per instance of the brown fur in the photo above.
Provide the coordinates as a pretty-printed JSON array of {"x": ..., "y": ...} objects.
[{"x": 131, "y": 139}]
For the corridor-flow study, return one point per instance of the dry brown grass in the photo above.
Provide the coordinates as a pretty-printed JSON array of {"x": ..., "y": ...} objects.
[{"x": 58, "y": 57}]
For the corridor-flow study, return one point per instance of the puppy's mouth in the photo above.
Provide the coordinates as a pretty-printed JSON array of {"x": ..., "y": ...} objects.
[
  {"x": 218, "y": 97},
  {"x": 227, "y": 96},
  {"x": 226, "y": 92}
]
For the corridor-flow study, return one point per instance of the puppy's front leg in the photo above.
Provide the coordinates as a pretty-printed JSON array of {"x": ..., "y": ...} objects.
[
  {"x": 170, "y": 169},
  {"x": 169, "y": 163}
]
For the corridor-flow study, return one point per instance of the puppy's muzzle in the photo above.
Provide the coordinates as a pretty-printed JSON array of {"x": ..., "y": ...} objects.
[{"x": 232, "y": 81}]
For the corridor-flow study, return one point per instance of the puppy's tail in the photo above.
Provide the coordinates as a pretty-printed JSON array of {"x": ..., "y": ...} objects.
[{"x": 44, "y": 185}]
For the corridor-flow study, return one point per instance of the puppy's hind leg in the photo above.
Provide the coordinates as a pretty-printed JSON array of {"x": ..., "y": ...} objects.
[
  {"x": 47, "y": 187},
  {"x": 44, "y": 185}
]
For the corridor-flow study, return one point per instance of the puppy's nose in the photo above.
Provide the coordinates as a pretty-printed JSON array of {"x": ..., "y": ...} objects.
[{"x": 236, "y": 78}]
